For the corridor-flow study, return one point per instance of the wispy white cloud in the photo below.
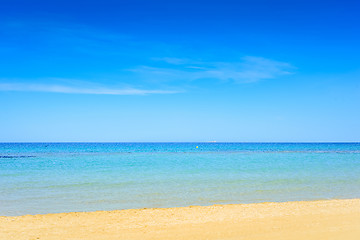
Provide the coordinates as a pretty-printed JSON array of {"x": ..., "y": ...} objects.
[
  {"x": 24, "y": 87},
  {"x": 177, "y": 72},
  {"x": 249, "y": 69},
  {"x": 175, "y": 61},
  {"x": 116, "y": 47},
  {"x": 56, "y": 37}
]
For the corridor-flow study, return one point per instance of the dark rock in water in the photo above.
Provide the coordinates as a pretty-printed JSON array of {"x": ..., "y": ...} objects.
[{"x": 21, "y": 156}]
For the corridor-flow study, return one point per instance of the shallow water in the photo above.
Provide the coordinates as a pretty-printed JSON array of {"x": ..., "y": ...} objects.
[{"x": 64, "y": 177}]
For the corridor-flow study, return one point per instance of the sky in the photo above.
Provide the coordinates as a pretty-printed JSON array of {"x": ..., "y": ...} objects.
[{"x": 179, "y": 71}]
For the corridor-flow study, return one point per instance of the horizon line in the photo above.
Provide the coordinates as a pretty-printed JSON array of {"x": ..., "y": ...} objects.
[{"x": 190, "y": 142}]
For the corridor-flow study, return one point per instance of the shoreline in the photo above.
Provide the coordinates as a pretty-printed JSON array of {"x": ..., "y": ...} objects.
[{"x": 320, "y": 219}]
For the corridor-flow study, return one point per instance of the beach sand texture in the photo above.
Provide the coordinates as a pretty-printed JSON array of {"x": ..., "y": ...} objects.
[{"x": 328, "y": 219}]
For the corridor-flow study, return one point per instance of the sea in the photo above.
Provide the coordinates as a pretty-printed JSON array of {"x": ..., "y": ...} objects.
[{"x": 39, "y": 178}]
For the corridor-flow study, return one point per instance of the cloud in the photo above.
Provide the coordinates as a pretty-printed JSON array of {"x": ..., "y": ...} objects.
[
  {"x": 23, "y": 87},
  {"x": 250, "y": 69},
  {"x": 127, "y": 51},
  {"x": 175, "y": 61},
  {"x": 177, "y": 72},
  {"x": 56, "y": 37}
]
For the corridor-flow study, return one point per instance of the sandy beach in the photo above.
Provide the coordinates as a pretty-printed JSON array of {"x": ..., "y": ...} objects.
[{"x": 328, "y": 219}]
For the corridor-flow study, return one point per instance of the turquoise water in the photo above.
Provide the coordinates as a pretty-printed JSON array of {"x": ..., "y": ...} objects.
[{"x": 65, "y": 177}]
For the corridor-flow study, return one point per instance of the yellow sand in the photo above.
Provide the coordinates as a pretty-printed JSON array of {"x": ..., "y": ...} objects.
[{"x": 333, "y": 219}]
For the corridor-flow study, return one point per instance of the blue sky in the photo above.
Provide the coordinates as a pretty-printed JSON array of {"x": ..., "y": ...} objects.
[{"x": 136, "y": 70}]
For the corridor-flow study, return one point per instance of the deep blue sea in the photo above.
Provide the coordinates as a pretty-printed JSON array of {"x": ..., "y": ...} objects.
[{"x": 66, "y": 177}]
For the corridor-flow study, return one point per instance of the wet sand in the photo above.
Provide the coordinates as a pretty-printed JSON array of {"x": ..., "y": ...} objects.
[{"x": 328, "y": 219}]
